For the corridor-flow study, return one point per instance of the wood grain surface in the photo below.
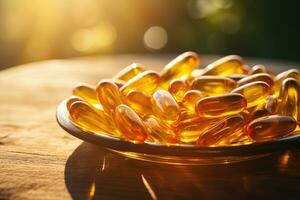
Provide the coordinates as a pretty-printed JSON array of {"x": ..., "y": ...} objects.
[{"x": 38, "y": 160}]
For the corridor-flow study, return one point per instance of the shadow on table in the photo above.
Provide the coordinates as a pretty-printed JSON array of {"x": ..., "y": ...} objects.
[{"x": 94, "y": 173}]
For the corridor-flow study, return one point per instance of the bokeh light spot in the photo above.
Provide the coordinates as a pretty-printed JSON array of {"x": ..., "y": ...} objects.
[{"x": 155, "y": 38}]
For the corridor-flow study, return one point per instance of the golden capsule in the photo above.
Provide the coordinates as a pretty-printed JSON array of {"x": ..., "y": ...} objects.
[
  {"x": 292, "y": 73},
  {"x": 177, "y": 88},
  {"x": 88, "y": 93},
  {"x": 139, "y": 102},
  {"x": 71, "y": 100},
  {"x": 238, "y": 138},
  {"x": 222, "y": 105},
  {"x": 129, "y": 124},
  {"x": 256, "y": 69},
  {"x": 221, "y": 130},
  {"x": 129, "y": 72},
  {"x": 257, "y": 77},
  {"x": 289, "y": 98},
  {"x": 190, "y": 130},
  {"x": 190, "y": 99},
  {"x": 271, "y": 127},
  {"x": 146, "y": 82},
  {"x": 165, "y": 106},
  {"x": 158, "y": 132},
  {"x": 108, "y": 95},
  {"x": 179, "y": 68},
  {"x": 255, "y": 93},
  {"x": 213, "y": 85},
  {"x": 90, "y": 120},
  {"x": 226, "y": 66}
]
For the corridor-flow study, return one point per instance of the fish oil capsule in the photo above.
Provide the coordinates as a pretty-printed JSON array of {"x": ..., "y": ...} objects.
[
  {"x": 108, "y": 95},
  {"x": 90, "y": 120},
  {"x": 271, "y": 127},
  {"x": 129, "y": 124},
  {"x": 213, "y": 85},
  {"x": 257, "y": 77},
  {"x": 88, "y": 93},
  {"x": 226, "y": 66},
  {"x": 71, "y": 100},
  {"x": 256, "y": 69},
  {"x": 158, "y": 132},
  {"x": 146, "y": 82},
  {"x": 129, "y": 72},
  {"x": 221, "y": 130},
  {"x": 239, "y": 137},
  {"x": 139, "y": 102},
  {"x": 292, "y": 73},
  {"x": 289, "y": 98},
  {"x": 179, "y": 68},
  {"x": 190, "y": 130},
  {"x": 255, "y": 93},
  {"x": 165, "y": 106},
  {"x": 220, "y": 106},
  {"x": 190, "y": 99},
  {"x": 237, "y": 77},
  {"x": 177, "y": 88}
]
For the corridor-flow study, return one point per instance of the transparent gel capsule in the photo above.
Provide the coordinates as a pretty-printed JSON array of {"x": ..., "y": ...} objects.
[
  {"x": 165, "y": 106},
  {"x": 220, "y": 106},
  {"x": 256, "y": 69},
  {"x": 108, "y": 95},
  {"x": 271, "y": 127},
  {"x": 226, "y": 66},
  {"x": 257, "y": 77},
  {"x": 213, "y": 85},
  {"x": 177, "y": 88},
  {"x": 179, "y": 68},
  {"x": 129, "y": 72},
  {"x": 129, "y": 124},
  {"x": 159, "y": 132},
  {"x": 292, "y": 73},
  {"x": 289, "y": 98},
  {"x": 190, "y": 99},
  {"x": 146, "y": 82},
  {"x": 221, "y": 130},
  {"x": 255, "y": 93},
  {"x": 139, "y": 102},
  {"x": 88, "y": 93},
  {"x": 91, "y": 120}
]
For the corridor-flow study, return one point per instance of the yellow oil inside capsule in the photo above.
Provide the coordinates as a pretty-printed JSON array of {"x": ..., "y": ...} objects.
[
  {"x": 289, "y": 98},
  {"x": 146, "y": 82},
  {"x": 220, "y": 131},
  {"x": 190, "y": 99},
  {"x": 108, "y": 95},
  {"x": 88, "y": 93},
  {"x": 177, "y": 88},
  {"x": 292, "y": 73},
  {"x": 90, "y": 120},
  {"x": 256, "y": 69},
  {"x": 189, "y": 131},
  {"x": 255, "y": 93},
  {"x": 220, "y": 106},
  {"x": 271, "y": 127},
  {"x": 165, "y": 106},
  {"x": 213, "y": 85},
  {"x": 257, "y": 77},
  {"x": 129, "y": 124},
  {"x": 226, "y": 66},
  {"x": 239, "y": 137},
  {"x": 139, "y": 102},
  {"x": 159, "y": 132},
  {"x": 129, "y": 72},
  {"x": 179, "y": 68}
]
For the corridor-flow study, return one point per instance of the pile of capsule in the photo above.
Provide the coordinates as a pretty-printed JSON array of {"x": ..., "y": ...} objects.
[{"x": 225, "y": 103}]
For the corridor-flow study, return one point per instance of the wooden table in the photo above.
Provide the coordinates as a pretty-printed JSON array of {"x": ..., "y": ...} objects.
[{"x": 38, "y": 160}]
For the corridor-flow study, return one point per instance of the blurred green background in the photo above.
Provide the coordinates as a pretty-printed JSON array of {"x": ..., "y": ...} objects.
[{"x": 33, "y": 30}]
